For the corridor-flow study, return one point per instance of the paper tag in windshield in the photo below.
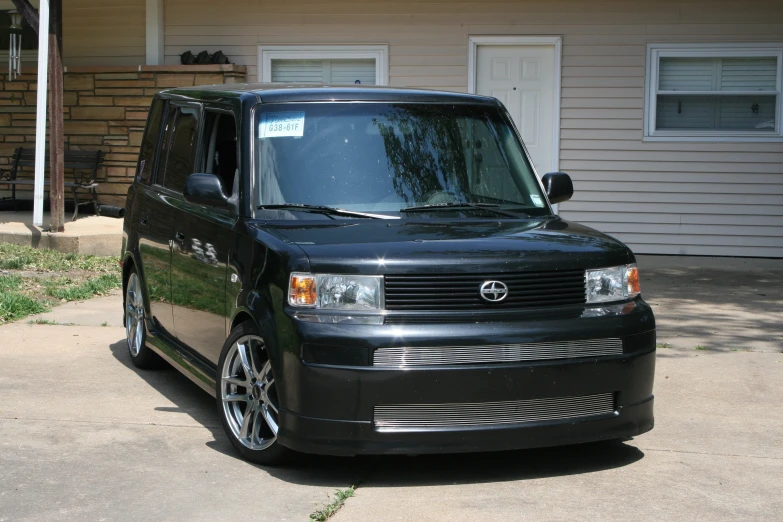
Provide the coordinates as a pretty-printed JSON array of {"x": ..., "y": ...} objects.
[
  {"x": 281, "y": 124},
  {"x": 537, "y": 200}
]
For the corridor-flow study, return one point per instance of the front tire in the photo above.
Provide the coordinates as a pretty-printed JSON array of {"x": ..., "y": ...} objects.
[
  {"x": 135, "y": 327},
  {"x": 247, "y": 399}
]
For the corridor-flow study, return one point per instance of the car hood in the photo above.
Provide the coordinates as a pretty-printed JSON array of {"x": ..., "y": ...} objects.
[{"x": 405, "y": 246}]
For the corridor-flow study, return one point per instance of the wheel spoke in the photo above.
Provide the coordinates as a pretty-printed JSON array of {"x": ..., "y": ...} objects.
[
  {"x": 270, "y": 420},
  {"x": 236, "y": 381},
  {"x": 246, "y": 356},
  {"x": 237, "y": 397},
  {"x": 243, "y": 432},
  {"x": 257, "y": 416}
]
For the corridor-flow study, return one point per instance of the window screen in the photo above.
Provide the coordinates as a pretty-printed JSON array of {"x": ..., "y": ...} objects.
[
  {"x": 729, "y": 94},
  {"x": 343, "y": 71},
  {"x": 182, "y": 142}
]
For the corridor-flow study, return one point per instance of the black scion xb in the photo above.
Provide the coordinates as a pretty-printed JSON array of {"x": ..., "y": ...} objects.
[{"x": 373, "y": 270}]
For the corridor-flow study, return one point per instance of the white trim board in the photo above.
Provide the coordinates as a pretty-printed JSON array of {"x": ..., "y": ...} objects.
[
  {"x": 154, "y": 32},
  {"x": 554, "y": 41},
  {"x": 379, "y": 53}
]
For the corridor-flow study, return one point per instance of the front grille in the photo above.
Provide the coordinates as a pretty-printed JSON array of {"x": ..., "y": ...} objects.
[
  {"x": 406, "y": 357},
  {"x": 461, "y": 291},
  {"x": 422, "y": 417}
]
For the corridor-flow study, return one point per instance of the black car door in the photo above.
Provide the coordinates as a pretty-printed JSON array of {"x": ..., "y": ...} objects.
[
  {"x": 202, "y": 238},
  {"x": 155, "y": 218}
]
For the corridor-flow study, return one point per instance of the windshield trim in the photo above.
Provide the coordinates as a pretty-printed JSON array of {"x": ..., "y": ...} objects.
[{"x": 252, "y": 196}]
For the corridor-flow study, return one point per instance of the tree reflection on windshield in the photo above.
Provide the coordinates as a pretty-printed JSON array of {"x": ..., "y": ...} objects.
[{"x": 424, "y": 152}]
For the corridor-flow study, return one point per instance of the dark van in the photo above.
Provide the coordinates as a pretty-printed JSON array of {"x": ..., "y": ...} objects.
[{"x": 374, "y": 270}]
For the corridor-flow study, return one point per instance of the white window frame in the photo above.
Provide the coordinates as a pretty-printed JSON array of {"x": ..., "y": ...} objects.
[
  {"x": 379, "y": 53},
  {"x": 657, "y": 51}
]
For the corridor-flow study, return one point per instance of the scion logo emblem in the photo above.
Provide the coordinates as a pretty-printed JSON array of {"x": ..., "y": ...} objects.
[{"x": 493, "y": 291}]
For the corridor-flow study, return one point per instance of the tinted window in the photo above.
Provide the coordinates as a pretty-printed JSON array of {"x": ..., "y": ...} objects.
[
  {"x": 385, "y": 157},
  {"x": 219, "y": 148},
  {"x": 150, "y": 142},
  {"x": 182, "y": 141}
]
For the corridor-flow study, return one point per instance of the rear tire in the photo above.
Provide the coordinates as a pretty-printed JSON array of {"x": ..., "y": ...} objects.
[
  {"x": 135, "y": 324},
  {"x": 247, "y": 399}
]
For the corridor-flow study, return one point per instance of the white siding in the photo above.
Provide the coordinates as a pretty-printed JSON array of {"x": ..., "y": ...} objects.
[
  {"x": 658, "y": 197},
  {"x": 107, "y": 32}
]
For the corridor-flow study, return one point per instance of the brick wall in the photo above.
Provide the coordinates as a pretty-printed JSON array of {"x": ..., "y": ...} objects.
[{"x": 104, "y": 108}]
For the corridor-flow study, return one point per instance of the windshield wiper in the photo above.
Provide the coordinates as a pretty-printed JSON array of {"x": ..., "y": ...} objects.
[
  {"x": 322, "y": 209},
  {"x": 462, "y": 206}
]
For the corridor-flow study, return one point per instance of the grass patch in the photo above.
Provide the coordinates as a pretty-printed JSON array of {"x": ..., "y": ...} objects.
[
  {"x": 39, "y": 279},
  {"x": 702, "y": 348},
  {"x": 69, "y": 290},
  {"x": 340, "y": 496},
  {"x": 663, "y": 345},
  {"x": 14, "y": 304},
  {"x": 17, "y": 257}
]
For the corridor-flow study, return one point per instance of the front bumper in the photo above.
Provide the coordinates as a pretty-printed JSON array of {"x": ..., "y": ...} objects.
[{"x": 330, "y": 408}]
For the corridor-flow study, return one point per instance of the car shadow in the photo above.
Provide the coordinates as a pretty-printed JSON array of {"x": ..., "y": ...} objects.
[{"x": 392, "y": 470}]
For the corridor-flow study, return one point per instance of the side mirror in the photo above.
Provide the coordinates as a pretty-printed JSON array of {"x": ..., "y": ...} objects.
[
  {"x": 205, "y": 189},
  {"x": 558, "y": 187}
]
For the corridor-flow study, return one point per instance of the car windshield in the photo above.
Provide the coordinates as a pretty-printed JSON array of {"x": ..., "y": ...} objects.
[{"x": 392, "y": 159}]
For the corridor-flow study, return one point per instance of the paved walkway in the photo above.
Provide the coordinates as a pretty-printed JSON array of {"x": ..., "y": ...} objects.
[{"x": 84, "y": 435}]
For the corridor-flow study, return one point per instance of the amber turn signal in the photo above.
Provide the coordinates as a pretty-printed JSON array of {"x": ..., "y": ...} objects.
[
  {"x": 632, "y": 275},
  {"x": 302, "y": 290}
]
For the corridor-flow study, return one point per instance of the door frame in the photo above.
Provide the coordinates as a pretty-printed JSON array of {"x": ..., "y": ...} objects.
[{"x": 538, "y": 41}]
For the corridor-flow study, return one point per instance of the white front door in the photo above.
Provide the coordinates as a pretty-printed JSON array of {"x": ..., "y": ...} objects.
[{"x": 523, "y": 78}]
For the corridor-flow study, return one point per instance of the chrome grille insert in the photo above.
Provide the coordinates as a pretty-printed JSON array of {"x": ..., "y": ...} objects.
[
  {"x": 422, "y": 417},
  {"x": 406, "y": 357}
]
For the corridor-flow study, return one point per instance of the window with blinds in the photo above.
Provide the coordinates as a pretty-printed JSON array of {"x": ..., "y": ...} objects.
[
  {"x": 711, "y": 95},
  {"x": 340, "y": 71}
]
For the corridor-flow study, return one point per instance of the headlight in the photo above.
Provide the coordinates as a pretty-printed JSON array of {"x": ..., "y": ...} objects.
[
  {"x": 335, "y": 292},
  {"x": 612, "y": 284}
]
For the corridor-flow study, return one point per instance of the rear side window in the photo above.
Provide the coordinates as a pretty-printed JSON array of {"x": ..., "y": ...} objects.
[
  {"x": 149, "y": 143},
  {"x": 181, "y": 144}
]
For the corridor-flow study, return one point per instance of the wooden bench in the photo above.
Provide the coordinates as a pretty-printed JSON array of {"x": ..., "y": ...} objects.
[{"x": 85, "y": 165}]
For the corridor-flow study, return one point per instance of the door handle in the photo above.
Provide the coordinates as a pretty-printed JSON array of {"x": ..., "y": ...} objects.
[{"x": 180, "y": 236}]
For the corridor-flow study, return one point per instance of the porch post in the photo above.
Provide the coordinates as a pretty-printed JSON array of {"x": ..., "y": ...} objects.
[
  {"x": 40, "y": 119},
  {"x": 56, "y": 134},
  {"x": 154, "y": 32}
]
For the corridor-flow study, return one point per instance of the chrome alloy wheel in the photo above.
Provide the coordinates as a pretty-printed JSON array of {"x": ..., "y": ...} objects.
[
  {"x": 248, "y": 394},
  {"x": 134, "y": 315}
]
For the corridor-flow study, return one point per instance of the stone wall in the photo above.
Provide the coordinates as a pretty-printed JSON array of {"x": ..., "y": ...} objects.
[{"x": 104, "y": 108}]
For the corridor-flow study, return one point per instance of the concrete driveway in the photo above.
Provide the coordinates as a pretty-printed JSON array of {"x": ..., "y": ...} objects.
[{"x": 84, "y": 435}]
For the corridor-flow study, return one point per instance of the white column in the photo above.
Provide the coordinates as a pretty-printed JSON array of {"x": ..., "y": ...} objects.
[
  {"x": 40, "y": 118},
  {"x": 155, "y": 32}
]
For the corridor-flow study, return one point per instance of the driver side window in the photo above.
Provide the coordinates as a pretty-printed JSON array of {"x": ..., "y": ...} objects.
[
  {"x": 220, "y": 149},
  {"x": 181, "y": 145}
]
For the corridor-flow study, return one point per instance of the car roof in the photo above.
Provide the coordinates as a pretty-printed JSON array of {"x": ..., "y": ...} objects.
[{"x": 279, "y": 92}]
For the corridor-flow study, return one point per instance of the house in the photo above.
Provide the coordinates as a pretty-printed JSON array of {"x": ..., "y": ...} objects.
[{"x": 666, "y": 113}]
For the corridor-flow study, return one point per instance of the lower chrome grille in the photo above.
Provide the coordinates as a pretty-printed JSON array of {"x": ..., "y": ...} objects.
[
  {"x": 422, "y": 417},
  {"x": 405, "y": 357}
]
